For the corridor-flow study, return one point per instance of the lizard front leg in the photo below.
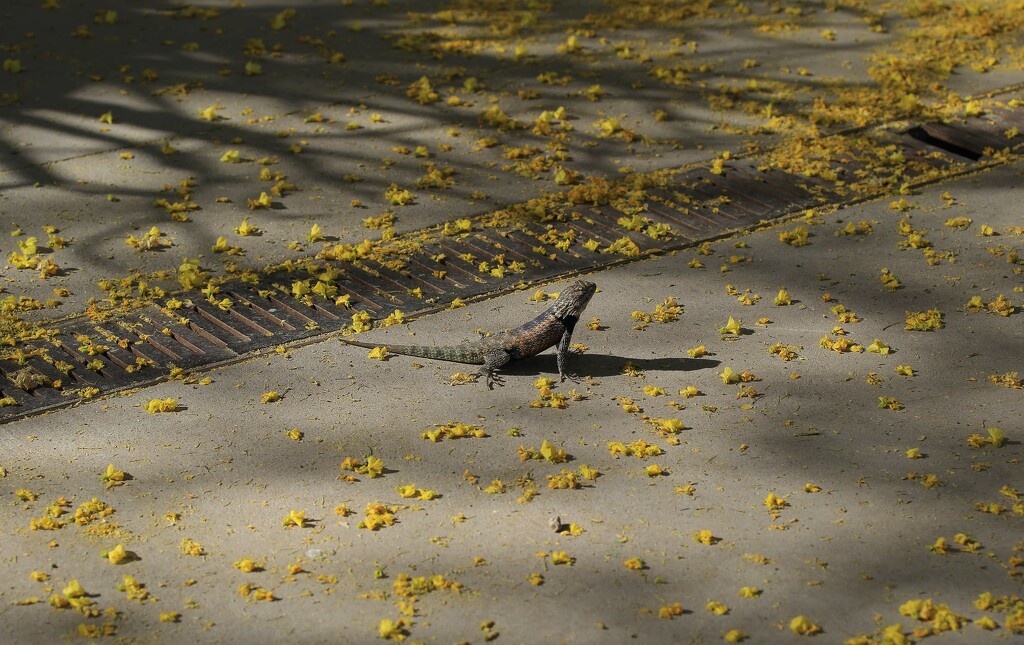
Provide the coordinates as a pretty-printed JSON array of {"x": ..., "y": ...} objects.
[{"x": 562, "y": 353}]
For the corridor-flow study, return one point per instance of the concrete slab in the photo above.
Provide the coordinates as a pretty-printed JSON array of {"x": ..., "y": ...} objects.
[
  {"x": 209, "y": 485},
  {"x": 222, "y": 472}
]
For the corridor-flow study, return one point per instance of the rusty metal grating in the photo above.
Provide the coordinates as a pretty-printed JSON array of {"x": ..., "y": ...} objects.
[{"x": 140, "y": 348}]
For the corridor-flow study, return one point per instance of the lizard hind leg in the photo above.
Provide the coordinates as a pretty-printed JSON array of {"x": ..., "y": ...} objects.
[
  {"x": 492, "y": 378},
  {"x": 494, "y": 358}
]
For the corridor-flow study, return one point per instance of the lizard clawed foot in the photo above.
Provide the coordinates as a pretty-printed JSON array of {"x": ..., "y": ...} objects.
[
  {"x": 574, "y": 377},
  {"x": 493, "y": 378}
]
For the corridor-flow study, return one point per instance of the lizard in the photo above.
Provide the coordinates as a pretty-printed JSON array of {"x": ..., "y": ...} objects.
[{"x": 552, "y": 328}]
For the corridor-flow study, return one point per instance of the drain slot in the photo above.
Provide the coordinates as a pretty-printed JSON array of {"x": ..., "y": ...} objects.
[
  {"x": 222, "y": 325},
  {"x": 166, "y": 351},
  {"x": 259, "y": 329},
  {"x": 935, "y": 139}
]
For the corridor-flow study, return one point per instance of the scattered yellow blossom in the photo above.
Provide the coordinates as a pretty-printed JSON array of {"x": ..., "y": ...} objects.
[
  {"x": 113, "y": 477},
  {"x": 118, "y": 555},
  {"x": 732, "y": 327},
  {"x": 162, "y": 405},
  {"x": 803, "y": 626},
  {"x": 191, "y": 547},
  {"x": 670, "y": 611},
  {"x": 878, "y": 347},
  {"x": 717, "y": 608}
]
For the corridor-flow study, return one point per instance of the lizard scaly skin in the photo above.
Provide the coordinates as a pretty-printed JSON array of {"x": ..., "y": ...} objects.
[{"x": 552, "y": 328}]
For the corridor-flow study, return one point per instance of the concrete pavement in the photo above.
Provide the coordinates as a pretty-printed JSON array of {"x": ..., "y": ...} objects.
[
  {"x": 223, "y": 472},
  {"x": 841, "y": 491}
]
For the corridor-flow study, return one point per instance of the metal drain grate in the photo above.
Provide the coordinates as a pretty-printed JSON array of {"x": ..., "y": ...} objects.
[{"x": 140, "y": 348}]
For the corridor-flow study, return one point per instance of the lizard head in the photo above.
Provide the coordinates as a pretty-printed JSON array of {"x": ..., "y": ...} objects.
[{"x": 574, "y": 299}]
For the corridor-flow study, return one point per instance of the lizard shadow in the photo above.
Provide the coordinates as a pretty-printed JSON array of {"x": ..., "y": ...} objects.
[{"x": 606, "y": 365}]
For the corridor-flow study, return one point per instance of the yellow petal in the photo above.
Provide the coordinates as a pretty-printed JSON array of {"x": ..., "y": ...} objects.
[
  {"x": 802, "y": 625},
  {"x": 117, "y": 555}
]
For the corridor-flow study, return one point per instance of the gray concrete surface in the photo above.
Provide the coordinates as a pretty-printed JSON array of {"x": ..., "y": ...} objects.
[
  {"x": 222, "y": 472},
  {"x": 847, "y": 557}
]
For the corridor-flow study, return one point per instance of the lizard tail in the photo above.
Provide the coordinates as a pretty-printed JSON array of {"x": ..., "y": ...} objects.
[{"x": 453, "y": 354}]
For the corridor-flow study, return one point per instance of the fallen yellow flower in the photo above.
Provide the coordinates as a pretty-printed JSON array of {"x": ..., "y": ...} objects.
[
  {"x": 717, "y": 608},
  {"x": 803, "y": 626},
  {"x": 670, "y": 611},
  {"x": 118, "y": 555},
  {"x": 294, "y": 518},
  {"x": 732, "y": 327},
  {"x": 878, "y": 347},
  {"x": 162, "y": 405},
  {"x": 113, "y": 477}
]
